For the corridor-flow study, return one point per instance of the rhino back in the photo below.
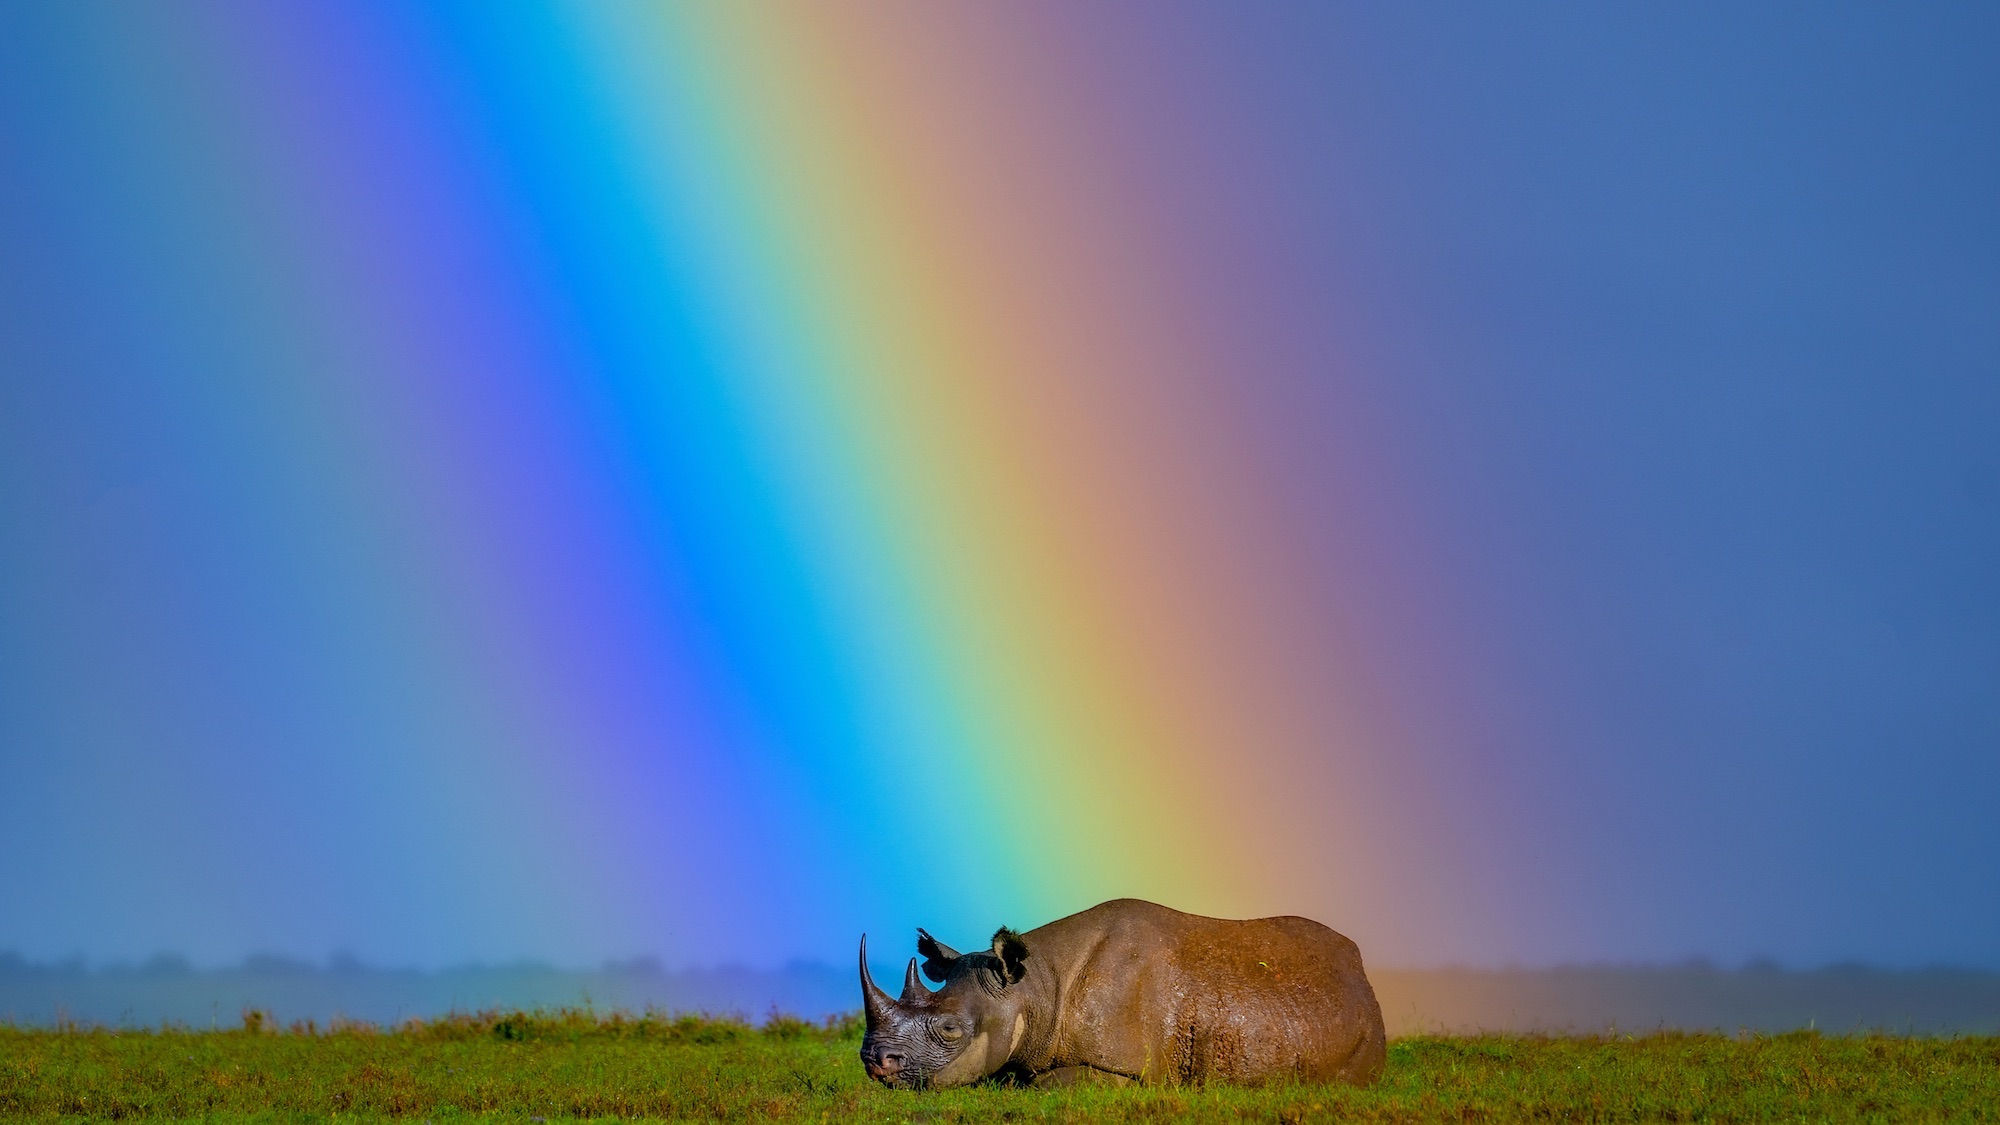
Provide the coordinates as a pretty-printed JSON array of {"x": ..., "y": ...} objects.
[{"x": 1170, "y": 997}]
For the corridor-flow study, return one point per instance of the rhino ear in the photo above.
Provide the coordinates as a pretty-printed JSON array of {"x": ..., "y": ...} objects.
[
  {"x": 938, "y": 957},
  {"x": 1012, "y": 952}
]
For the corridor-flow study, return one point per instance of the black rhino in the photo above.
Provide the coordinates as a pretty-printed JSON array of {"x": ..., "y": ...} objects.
[{"x": 1130, "y": 991}]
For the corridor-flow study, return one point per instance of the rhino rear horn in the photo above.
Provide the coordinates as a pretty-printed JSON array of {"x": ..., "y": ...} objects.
[
  {"x": 913, "y": 986},
  {"x": 938, "y": 957},
  {"x": 874, "y": 1001}
]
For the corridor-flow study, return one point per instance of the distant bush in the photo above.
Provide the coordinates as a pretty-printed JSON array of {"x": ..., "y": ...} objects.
[
  {"x": 569, "y": 1025},
  {"x": 551, "y": 1025}
]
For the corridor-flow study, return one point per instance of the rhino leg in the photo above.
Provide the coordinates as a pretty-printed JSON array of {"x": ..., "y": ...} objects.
[{"x": 1080, "y": 1076}]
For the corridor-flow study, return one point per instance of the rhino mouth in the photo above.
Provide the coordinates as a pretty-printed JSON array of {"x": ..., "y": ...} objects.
[
  {"x": 894, "y": 1069},
  {"x": 901, "y": 1079}
]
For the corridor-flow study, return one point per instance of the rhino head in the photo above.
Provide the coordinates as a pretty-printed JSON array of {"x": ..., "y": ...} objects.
[{"x": 960, "y": 1033}]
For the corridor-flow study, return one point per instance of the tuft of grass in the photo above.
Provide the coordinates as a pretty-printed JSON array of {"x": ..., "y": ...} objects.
[{"x": 569, "y": 1064}]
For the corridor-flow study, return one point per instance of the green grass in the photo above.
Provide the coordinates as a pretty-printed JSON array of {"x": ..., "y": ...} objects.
[{"x": 565, "y": 1065}]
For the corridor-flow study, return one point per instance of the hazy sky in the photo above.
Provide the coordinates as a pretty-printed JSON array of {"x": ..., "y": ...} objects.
[
  {"x": 1679, "y": 325},
  {"x": 1709, "y": 362}
]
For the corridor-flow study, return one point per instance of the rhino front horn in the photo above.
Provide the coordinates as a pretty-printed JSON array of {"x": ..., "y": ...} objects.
[
  {"x": 873, "y": 1000},
  {"x": 913, "y": 985}
]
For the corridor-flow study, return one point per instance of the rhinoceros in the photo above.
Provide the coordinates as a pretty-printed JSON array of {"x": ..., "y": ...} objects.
[{"x": 1130, "y": 991}]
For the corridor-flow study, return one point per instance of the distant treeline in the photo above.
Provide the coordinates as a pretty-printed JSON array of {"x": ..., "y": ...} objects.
[
  {"x": 1691, "y": 997},
  {"x": 168, "y": 990}
]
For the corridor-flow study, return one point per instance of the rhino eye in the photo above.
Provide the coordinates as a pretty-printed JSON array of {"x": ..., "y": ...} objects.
[{"x": 950, "y": 1032}]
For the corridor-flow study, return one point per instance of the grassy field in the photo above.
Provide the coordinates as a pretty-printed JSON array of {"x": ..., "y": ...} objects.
[{"x": 553, "y": 1067}]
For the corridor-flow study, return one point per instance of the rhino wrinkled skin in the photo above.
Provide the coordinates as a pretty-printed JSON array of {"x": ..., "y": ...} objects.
[{"x": 1130, "y": 991}]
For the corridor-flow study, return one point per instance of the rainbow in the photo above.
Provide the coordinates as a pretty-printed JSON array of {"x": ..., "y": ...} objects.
[{"x": 706, "y": 479}]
